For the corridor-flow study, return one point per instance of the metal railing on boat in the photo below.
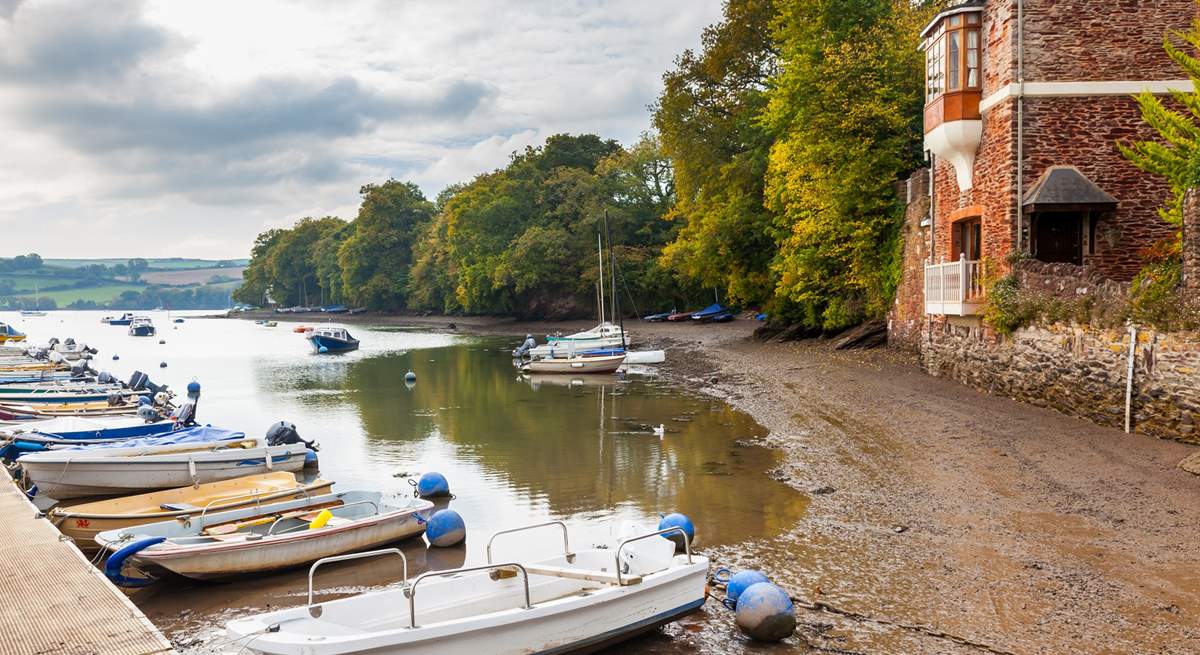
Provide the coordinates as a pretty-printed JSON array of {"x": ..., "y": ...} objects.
[
  {"x": 566, "y": 545},
  {"x": 411, "y": 592},
  {"x": 342, "y": 558},
  {"x": 687, "y": 546}
]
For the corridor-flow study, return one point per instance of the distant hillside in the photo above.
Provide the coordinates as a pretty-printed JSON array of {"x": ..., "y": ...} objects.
[{"x": 28, "y": 281}]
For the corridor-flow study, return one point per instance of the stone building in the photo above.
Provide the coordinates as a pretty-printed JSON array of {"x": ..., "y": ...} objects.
[{"x": 1025, "y": 102}]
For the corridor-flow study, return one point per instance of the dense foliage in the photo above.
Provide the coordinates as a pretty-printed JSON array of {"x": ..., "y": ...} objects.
[{"x": 769, "y": 178}]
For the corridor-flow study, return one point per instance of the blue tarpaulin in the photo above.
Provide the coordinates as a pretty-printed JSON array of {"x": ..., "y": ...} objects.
[{"x": 198, "y": 434}]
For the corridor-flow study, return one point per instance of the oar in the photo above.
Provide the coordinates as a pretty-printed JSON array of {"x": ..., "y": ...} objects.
[{"x": 230, "y": 528}]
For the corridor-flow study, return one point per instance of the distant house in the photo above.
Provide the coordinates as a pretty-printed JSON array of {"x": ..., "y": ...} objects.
[{"x": 1025, "y": 100}]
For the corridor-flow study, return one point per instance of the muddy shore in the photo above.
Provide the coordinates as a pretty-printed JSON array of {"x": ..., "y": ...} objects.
[{"x": 936, "y": 510}]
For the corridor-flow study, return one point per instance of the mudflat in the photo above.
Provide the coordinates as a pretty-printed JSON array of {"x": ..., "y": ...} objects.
[{"x": 942, "y": 520}]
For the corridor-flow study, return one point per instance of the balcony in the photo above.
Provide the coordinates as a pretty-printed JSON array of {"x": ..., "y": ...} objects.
[{"x": 954, "y": 288}]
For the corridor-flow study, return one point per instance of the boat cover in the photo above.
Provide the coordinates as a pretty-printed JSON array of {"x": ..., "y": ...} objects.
[{"x": 198, "y": 434}]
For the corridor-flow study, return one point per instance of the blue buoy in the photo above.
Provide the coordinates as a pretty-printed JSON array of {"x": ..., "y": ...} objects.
[
  {"x": 323, "y": 349},
  {"x": 678, "y": 520},
  {"x": 410, "y": 377},
  {"x": 765, "y": 613},
  {"x": 193, "y": 390},
  {"x": 740, "y": 582},
  {"x": 433, "y": 485},
  {"x": 445, "y": 528},
  {"x": 310, "y": 458},
  {"x": 162, "y": 364},
  {"x": 116, "y": 357}
]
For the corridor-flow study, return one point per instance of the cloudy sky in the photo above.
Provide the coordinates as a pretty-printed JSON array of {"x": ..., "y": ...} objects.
[{"x": 178, "y": 128}]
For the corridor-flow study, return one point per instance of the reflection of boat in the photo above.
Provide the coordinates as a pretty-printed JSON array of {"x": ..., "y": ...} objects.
[
  {"x": 599, "y": 364},
  {"x": 82, "y": 522},
  {"x": 536, "y": 380},
  {"x": 581, "y": 600},
  {"x": 63, "y": 474},
  {"x": 124, "y": 319},
  {"x": 32, "y": 312},
  {"x": 10, "y": 334},
  {"x": 276, "y": 536},
  {"x": 331, "y": 340},
  {"x": 142, "y": 326}
]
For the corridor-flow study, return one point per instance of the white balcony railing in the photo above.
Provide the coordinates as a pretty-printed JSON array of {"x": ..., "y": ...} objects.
[{"x": 954, "y": 288}]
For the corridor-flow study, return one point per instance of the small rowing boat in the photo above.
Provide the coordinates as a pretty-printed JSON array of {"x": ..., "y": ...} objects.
[
  {"x": 270, "y": 537},
  {"x": 598, "y": 364},
  {"x": 572, "y": 601},
  {"x": 63, "y": 474},
  {"x": 82, "y": 522}
]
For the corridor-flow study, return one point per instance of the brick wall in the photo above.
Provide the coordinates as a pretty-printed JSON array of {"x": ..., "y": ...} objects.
[
  {"x": 1091, "y": 40},
  {"x": 1083, "y": 132},
  {"x": 907, "y": 318},
  {"x": 1079, "y": 372}
]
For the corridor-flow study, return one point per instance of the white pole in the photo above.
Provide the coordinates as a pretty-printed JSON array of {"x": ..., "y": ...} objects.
[
  {"x": 600, "y": 258},
  {"x": 1129, "y": 379}
]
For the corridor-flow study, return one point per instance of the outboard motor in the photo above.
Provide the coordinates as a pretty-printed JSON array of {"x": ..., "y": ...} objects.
[
  {"x": 147, "y": 413},
  {"x": 115, "y": 398},
  {"x": 70, "y": 343},
  {"x": 52, "y": 343},
  {"x": 79, "y": 368},
  {"x": 283, "y": 433},
  {"x": 105, "y": 378},
  {"x": 139, "y": 381},
  {"x": 185, "y": 414}
]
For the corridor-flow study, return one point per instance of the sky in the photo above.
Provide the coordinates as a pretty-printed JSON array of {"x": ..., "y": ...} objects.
[{"x": 183, "y": 129}]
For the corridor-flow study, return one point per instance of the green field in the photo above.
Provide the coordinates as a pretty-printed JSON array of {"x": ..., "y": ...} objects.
[
  {"x": 192, "y": 275},
  {"x": 169, "y": 263},
  {"x": 98, "y": 294},
  {"x": 23, "y": 283}
]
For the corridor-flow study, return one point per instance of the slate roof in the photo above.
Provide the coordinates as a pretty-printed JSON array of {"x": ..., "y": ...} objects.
[{"x": 1064, "y": 188}]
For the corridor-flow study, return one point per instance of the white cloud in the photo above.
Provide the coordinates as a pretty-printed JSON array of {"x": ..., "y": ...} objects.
[{"x": 190, "y": 127}]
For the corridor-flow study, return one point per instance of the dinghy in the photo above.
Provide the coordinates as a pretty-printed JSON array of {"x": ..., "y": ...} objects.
[
  {"x": 82, "y": 522},
  {"x": 63, "y": 474},
  {"x": 709, "y": 312},
  {"x": 269, "y": 537},
  {"x": 600, "y": 364},
  {"x": 583, "y": 600}
]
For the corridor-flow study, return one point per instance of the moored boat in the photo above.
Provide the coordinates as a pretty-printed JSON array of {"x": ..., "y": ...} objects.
[
  {"x": 598, "y": 364},
  {"x": 82, "y": 522},
  {"x": 142, "y": 326},
  {"x": 10, "y": 334},
  {"x": 581, "y": 600},
  {"x": 123, "y": 319},
  {"x": 269, "y": 537},
  {"x": 64, "y": 474},
  {"x": 329, "y": 339}
]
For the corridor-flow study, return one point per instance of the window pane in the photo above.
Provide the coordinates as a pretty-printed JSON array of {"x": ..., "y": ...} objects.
[
  {"x": 956, "y": 20},
  {"x": 972, "y": 58},
  {"x": 953, "y": 59}
]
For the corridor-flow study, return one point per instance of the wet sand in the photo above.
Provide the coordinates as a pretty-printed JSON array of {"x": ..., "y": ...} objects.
[{"x": 938, "y": 508}]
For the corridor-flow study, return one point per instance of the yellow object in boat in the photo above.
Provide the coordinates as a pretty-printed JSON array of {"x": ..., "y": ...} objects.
[{"x": 321, "y": 520}]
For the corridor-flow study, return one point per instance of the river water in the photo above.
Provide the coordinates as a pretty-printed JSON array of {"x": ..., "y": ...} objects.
[{"x": 516, "y": 450}]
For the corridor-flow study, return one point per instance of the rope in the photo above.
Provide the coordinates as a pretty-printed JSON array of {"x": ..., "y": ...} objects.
[{"x": 625, "y": 286}]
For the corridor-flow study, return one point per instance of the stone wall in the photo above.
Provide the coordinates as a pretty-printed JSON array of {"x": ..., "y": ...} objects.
[
  {"x": 1084, "y": 132},
  {"x": 907, "y": 317},
  {"x": 1087, "y": 40},
  {"x": 1079, "y": 372}
]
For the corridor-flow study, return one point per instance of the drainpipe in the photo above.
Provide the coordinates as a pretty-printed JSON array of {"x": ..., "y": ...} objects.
[{"x": 1022, "y": 236}]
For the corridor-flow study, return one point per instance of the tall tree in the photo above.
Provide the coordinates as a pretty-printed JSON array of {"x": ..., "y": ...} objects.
[
  {"x": 707, "y": 118},
  {"x": 845, "y": 115},
  {"x": 376, "y": 258}
]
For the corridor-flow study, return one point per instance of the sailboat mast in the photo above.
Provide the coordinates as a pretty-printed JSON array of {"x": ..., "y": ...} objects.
[
  {"x": 600, "y": 258},
  {"x": 618, "y": 318}
]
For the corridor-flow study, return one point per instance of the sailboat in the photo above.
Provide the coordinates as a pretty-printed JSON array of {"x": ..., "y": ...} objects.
[{"x": 37, "y": 304}]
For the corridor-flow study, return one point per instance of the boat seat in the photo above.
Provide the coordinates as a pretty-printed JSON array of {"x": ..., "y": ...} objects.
[{"x": 588, "y": 575}]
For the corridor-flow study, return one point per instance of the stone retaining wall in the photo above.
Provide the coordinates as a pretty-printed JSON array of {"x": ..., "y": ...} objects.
[{"x": 1079, "y": 371}]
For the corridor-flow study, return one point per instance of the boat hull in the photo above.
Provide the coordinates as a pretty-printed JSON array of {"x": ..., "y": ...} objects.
[
  {"x": 576, "y": 365},
  {"x": 331, "y": 345},
  {"x": 582, "y": 623},
  {"x": 76, "y": 474},
  {"x": 82, "y": 522},
  {"x": 142, "y": 332}
]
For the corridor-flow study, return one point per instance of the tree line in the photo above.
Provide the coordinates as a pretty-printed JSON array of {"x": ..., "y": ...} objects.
[{"x": 769, "y": 176}]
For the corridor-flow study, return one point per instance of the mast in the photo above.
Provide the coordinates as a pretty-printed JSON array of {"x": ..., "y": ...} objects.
[
  {"x": 620, "y": 320},
  {"x": 600, "y": 258}
]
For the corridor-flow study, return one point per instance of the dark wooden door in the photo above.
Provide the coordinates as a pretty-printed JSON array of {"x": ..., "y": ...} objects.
[{"x": 1058, "y": 238}]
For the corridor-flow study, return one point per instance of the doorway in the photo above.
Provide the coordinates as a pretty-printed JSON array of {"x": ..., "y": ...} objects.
[{"x": 1058, "y": 237}]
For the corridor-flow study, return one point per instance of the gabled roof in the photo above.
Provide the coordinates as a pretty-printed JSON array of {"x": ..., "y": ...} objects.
[{"x": 1065, "y": 188}]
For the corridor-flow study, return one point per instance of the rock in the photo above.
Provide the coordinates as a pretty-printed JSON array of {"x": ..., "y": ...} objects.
[
  {"x": 821, "y": 491},
  {"x": 871, "y": 334},
  {"x": 899, "y": 529},
  {"x": 1191, "y": 464}
]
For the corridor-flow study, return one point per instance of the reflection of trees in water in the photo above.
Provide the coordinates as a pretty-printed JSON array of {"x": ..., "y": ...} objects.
[{"x": 582, "y": 447}]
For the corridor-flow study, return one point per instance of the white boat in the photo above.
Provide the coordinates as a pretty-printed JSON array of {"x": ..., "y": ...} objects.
[
  {"x": 63, "y": 474},
  {"x": 572, "y": 601},
  {"x": 600, "y": 364},
  {"x": 142, "y": 326},
  {"x": 645, "y": 356},
  {"x": 274, "y": 536}
]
